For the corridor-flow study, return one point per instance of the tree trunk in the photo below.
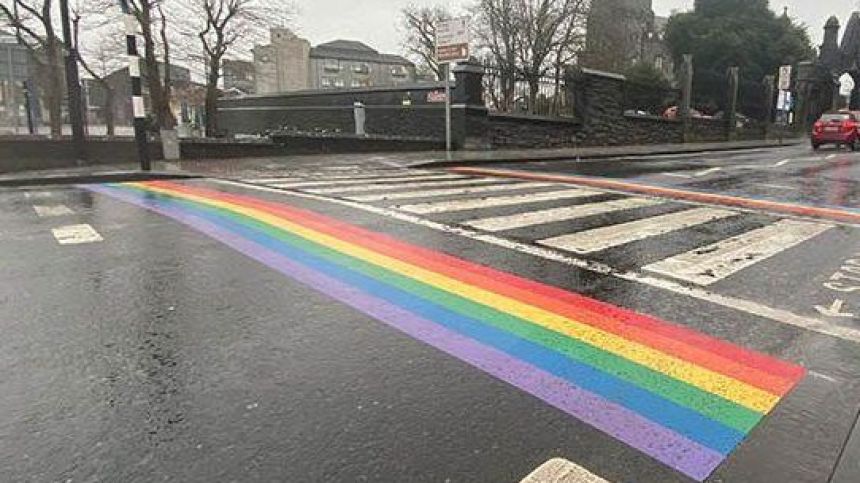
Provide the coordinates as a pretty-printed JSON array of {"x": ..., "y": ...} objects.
[
  {"x": 212, "y": 96},
  {"x": 54, "y": 95},
  {"x": 108, "y": 109},
  {"x": 160, "y": 105}
]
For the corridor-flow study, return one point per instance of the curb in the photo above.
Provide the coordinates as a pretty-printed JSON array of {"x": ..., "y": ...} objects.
[
  {"x": 94, "y": 178},
  {"x": 783, "y": 208},
  {"x": 536, "y": 157}
]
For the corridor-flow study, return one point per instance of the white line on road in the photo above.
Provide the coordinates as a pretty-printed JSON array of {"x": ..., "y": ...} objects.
[
  {"x": 831, "y": 156},
  {"x": 76, "y": 235},
  {"x": 271, "y": 180},
  {"x": 369, "y": 181},
  {"x": 400, "y": 186},
  {"x": 707, "y": 172},
  {"x": 496, "y": 201},
  {"x": 677, "y": 175},
  {"x": 45, "y": 211},
  {"x": 708, "y": 265},
  {"x": 560, "y": 470},
  {"x": 606, "y": 237},
  {"x": 782, "y": 163},
  {"x": 449, "y": 192},
  {"x": 757, "y": 309},
  {"x": 567, "y": 213},
  {"x": 777, "y": 186}
]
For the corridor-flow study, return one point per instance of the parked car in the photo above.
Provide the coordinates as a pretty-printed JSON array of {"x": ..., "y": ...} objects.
[{"x": 839, "y": 128}]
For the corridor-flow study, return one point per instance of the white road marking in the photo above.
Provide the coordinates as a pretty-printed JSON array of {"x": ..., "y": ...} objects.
[
  {"x": 757, "y": 309},
  {"x": 708, "y": 265},
  {"x": 272, "y": 180},
  {"x": 782, "y": 163},
  {"x": 707, "y": 172},
  {"x": 606, "y": 237},
  {"x": 496, "y": 201},
  {"x": 369, "y": 175},
  {"x": 677, "y": 175},
  {"x": 38, "y": 194},
  {"x": 400, "y": 186},
  {"x": 449, "y": 192},
  {"x": 831, "y": 156},
  {"x": 369, "y": 181},
  {"x": 76, "y": 235},
  {"x": 521, "y": 220},
  {"x": 45, "y": 211},
  {"x": 777, "y": 186},
  {"x": 559, "y": 470}
]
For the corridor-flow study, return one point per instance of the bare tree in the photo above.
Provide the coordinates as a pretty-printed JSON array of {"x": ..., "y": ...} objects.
[
  {"x": 419, "y": 35},
  {"x": 551, "y": 33},
  {"x": 99, "y": 59},
  {"x": 34, "y": 21},
  {"x": 223, "y": 25},
  {"x": 498, "y": 34}
]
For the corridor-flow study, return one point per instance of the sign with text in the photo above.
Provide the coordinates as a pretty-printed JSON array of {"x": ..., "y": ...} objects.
[
  {"x": 785, "y": 78},
  {"x": 436, "y": 97},
  {"x": 452, "y": 40}
]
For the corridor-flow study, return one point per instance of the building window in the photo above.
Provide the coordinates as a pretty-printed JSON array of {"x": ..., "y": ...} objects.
[
  {"x": 327, "y": 82},
  {"x": 331, "y": 65},
  {"x": 360, "y": 83},
  {"x": 658, "y": 63},
  {"x": 339, "y": 83},
  {"x": 361, "y": 68},
  {"x": 398, "y": 71}
]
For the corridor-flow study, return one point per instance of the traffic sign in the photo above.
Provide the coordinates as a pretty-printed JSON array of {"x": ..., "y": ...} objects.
[
  {"x": 785, "y": 78},
  {"x": 452, "y": 40}
]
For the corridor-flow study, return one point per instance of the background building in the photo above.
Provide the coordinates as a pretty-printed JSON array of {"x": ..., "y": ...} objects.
[
  {"x": 187, "y": 98},
  {"x": 289, "y": 63},
  {"x": 14, "y": 71},
  {"x": 622, "y": 33},
  {"x": 238, "y": 77}
]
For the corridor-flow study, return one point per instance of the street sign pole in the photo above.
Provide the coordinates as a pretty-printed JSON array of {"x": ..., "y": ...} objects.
[
  {"x": 448, "y": 110},
  {"x": 452, "y": 45}
]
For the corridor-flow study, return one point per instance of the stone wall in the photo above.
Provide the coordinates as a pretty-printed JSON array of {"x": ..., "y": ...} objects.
[
  {"x": 402, "y": 111},
  {"x": 704, "y": 130},
  {"x": 517, "y": 131},
  {"x": 653, "y": 130}
]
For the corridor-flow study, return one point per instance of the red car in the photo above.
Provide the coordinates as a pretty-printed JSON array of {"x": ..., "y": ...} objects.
[{"x": 839, "y": 128}]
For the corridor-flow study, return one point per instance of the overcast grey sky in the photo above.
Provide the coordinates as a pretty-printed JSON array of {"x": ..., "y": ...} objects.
[{"x": 376, "y": 21}]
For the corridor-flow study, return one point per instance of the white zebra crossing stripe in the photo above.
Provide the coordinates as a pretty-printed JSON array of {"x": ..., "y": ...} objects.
[
  {"x": 271, "y": 180},
  {"x": 606, "y": 237},
  {"x": 366, "y": 181},
  {"x": 370, "y": 174},
  {"x": 708, "y": 265},
  {"x": 399, "y": 185},
  {"x": 567, "y": 213},
  {"x": 559, "y": 470},
  {"x": 44, "y": 211},
  {"x": 448, "y": 192},
  {"x": 76, "y": 235},
  {"x": 495, "y": 201}
]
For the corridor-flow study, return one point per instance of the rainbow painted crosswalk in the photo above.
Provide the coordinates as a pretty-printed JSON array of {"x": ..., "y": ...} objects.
[{"x": 681, "y": 397}]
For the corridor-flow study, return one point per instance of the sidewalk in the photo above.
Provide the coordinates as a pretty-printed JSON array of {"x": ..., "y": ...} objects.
[{"x": 247, "y": 167}]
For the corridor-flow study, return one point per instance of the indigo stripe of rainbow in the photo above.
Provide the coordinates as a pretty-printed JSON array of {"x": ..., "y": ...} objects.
[{"x": 681, "y": 397}]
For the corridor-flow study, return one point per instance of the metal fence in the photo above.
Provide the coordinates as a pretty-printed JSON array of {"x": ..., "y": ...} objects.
[{"x": 513, "y": 94}]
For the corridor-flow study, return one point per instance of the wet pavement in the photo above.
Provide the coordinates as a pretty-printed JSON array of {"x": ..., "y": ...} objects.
[{"x": 162, "y": 342}]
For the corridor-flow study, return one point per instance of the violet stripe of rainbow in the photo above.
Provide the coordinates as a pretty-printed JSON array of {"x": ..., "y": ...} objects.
[{"x": 620, "y": 420}]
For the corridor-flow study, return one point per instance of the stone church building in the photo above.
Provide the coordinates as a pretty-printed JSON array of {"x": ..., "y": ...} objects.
[{"x": 622, "y": 33}]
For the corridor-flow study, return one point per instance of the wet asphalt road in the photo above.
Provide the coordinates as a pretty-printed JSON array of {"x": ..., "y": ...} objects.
[
  {"x": 158, "y": 353},
  {"x": 796, "y": 174}
]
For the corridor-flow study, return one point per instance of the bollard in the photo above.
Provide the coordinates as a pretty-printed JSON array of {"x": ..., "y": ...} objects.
[{"x": 360, "y": 116}]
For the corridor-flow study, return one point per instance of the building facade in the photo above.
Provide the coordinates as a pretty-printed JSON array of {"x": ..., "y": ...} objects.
[
  {"x": 289, "y": 63},
  {"x": 622, "y": 33},
  {"x": 14, "y": 72},
  {"x": 238, "y": 77}
]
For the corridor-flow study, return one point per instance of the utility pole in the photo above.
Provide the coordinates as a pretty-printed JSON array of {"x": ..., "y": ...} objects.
[
  {"x": 73, "y": 83},
  {"x": 137, "y": 104}
]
